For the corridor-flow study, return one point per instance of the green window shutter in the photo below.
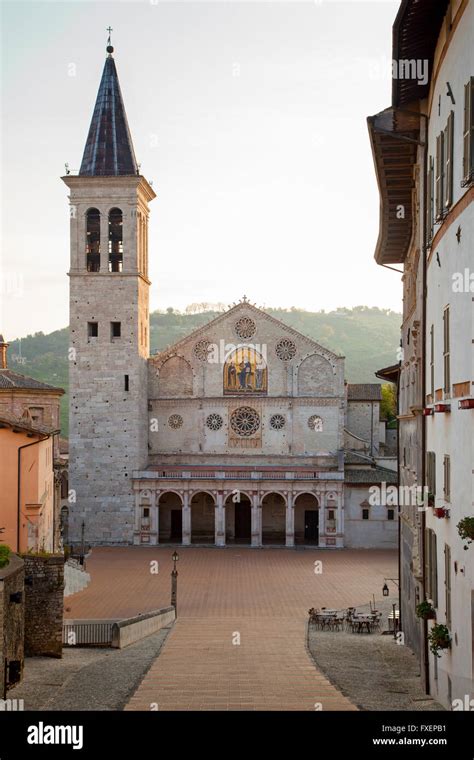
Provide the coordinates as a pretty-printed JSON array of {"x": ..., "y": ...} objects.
[{"x": 448, "y": 154}]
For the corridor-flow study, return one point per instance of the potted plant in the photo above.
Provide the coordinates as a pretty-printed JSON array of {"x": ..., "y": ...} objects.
[
  {"x": 440, "y": 511},
  {"x": 431, "y": 499},
  {"x": 425, "y": 610},
  {"x": 466, "y": 530},
  {"x": 439, "y": 638}
]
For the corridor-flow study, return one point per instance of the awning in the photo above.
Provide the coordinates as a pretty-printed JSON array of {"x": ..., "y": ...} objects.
[
  {"x": 390, "y": 374},
  {"x": 394, "y": 136}
]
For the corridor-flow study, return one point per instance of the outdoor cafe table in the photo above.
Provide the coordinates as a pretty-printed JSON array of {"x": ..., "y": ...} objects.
[{"x": 361, "y": 620}]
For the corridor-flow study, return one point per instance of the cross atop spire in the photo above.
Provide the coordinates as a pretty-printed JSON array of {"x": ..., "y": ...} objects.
[{"x": 109, "y": 148}]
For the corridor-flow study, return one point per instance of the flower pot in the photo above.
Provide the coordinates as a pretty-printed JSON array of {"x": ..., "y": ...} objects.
[{"x": 440, "y": 512}]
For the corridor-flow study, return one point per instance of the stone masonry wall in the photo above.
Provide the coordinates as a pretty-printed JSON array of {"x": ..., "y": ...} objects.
[
  {"x": 12, "y": 621},
  {"x": 44, "y": 604}
]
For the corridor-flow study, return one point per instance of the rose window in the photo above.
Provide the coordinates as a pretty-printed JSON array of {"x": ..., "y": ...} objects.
[
  {"x": 245, "y": 327},
  {"x": 315, "y": 423},
  {"x": 245, "y": 421},
  {"x": 285, "y": 349},
  {"x": 175, "y": 421},
  {"x": 277, "y": 422},
  {"x": 214, "y": 421},
  {"x": 201, "y": 350}
]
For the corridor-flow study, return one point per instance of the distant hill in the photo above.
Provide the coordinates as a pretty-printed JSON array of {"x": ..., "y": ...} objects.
[{"x": 367, "y": 337}]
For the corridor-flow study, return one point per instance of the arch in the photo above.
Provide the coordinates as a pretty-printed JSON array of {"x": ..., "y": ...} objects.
[
  {"x": 245, "y": 371},
  {"x": 115, "y": 246},
  {"x": 93, "y": 240},
  {"x": 273, "y": 518},
  {"x": 306, "y": 508},
  {"x": 316, "y": 376},
  {"x": 238, "y": 518},
  {"x": 175, "y": 377},
  {"x": 171, "y": 517},
  {"x": 203, "y": 507}
]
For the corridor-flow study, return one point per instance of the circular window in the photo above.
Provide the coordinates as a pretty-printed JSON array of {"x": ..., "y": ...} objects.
[
  {"x": 201, "y": 350},
  {"x": 277, "y": 422},
  {"x": 175, "y": 421},
  {"x": 315, "y": 423},
  {"x": 245, "y": 327},
  {"x": 214, "y": 421},
  {"x": 285, "y": 349},
  {"x": 245, "y": 421}
]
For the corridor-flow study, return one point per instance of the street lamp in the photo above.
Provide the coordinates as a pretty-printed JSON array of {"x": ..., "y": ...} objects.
[
  {"x": 174, "y": 583},
  {"x": 385, "y": 590}
]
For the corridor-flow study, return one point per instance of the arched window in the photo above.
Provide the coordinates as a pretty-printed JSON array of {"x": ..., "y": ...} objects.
[
  {"x": 115, "y": 240},
  {"x": 93, "y": 240}
]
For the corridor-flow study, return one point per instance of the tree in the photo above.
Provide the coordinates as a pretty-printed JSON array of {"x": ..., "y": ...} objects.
[{"x": 388, "y": 407}]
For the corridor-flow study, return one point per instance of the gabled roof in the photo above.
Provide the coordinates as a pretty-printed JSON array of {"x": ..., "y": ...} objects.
[
  {"x": 109, "y": 148},
  {"x": 246, "y": 307},
  {"x": 25, "y": 424},
  {"x": 10, "y": 379}
]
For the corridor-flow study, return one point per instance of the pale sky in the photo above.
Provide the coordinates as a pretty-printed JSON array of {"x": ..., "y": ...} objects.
[{"x": 249, "y": 117}]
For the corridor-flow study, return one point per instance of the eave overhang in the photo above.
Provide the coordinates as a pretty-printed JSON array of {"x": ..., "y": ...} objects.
[
  {"x": 394, "y": 136},
  {"x": 390, "y": 374}
]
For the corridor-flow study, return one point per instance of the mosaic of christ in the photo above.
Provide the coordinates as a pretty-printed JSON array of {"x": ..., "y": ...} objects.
[{"x": 245, "y": 371}]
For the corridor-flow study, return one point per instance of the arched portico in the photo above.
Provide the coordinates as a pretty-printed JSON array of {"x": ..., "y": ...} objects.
[
  {"x": 170, "y": 506},
  {"x": 203, "y": 508},
  {"x": 306, "y": 516},
  {"x": 273, "y": 507},
  {"x": 238, "y": 510}
]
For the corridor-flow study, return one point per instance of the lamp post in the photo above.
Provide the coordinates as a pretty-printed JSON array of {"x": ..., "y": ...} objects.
[
  {"x": 174, "y": 583},
  {"x": 386, "y": 592}
]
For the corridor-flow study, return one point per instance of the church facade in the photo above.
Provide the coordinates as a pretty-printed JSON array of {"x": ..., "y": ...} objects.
[{"x": 243, "y": 432}]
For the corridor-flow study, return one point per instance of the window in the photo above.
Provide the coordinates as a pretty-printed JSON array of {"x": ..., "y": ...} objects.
[
  {"x": 93, "y": 240},
  {"x": 468, "y": 134},
  {"x": 448, "y": 158},
  {"x": 431, "y": 567},
  {"x": 92, "y": 330},
  {"x": 126, "y": 383},
  {"x": 115, "y": 240},
  {"x": 115, "y": 330},
  {"x": 440, "y": 176},
  {"x": 431, "y": 471},
  {"x": 36, "y": 413},
  {"x": 146, "y": 512},
  {"x": 432, "y": 384},
  {"x": 447, "y": 372},
  {"x": 330, "y": 514},
  {"x": 430, "y": 200},
  {"x": 447, "y": 477},
  {"x": 365, "y": 514},
  {"x": 447, "y": 583},
  {"x": 390, "y": 514}
]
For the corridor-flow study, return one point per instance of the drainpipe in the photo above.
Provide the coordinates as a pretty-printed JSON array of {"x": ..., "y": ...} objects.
[
  {"x": 25, "y": 446},
  {"x": 426, "y": 661}
]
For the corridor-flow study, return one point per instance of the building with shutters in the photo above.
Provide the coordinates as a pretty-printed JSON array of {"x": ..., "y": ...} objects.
[
  {"x": 423, "y": 147},
  {"x": 243, "y": 432}
]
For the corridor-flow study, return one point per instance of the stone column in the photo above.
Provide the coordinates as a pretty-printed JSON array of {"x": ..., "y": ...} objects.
[
  {"x": 137, "y": 527},
  {"x": 290, "y": 521},
  {"x": 256, "y": 521},
  {"x": 220, "y": 521},
  {"x": 322, "y": 518},
  {"x": 186, "y": 520},
  {"x": 155, "y": 518}
]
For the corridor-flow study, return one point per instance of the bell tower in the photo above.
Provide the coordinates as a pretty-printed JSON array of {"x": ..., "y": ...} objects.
[{"x": 108, "y": 325}]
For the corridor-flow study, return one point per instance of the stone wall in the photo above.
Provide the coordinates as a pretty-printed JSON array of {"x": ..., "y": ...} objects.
[
  {"x": 44, "y": 603},
  {"x": 12, "y": 621}
]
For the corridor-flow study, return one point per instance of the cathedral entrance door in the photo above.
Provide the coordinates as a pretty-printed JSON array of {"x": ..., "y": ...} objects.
[
  {"x": 243, "y": 521},
  {"x": 176, "y": 525},
  {"x": 311, "y": 526}
]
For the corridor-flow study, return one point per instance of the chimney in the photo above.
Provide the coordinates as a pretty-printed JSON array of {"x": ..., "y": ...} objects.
[{"x": 3, "y": 353}]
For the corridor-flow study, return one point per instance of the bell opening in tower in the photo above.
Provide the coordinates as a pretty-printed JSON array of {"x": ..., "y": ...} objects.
[{"x": 115, "y": 240}]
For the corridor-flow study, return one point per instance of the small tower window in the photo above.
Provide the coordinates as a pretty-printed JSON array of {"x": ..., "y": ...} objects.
[
  {"x": 365, "y": 514},
  {"x": 93, "y": 240},
  {"x": 92, "y": 330},
  {"x": 390, "y": 514},
  {"x": 115, "y": 330},
  {"x": 115, "y": 240},
  {"x": 126, "y": 383}
]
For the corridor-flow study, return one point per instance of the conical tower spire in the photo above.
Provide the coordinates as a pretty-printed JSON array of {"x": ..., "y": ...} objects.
[{"x": 109, "y": 148}]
